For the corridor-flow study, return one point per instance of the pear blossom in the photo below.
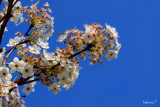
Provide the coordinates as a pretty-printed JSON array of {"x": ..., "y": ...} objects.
[
  {"x": 53, "y": 69},
  {"x": 61, "y": 37},
  {"x": 2, "y": 55},
  {"x": 17, "y": 13},
  {"x": 28, "y": 88},
  {"x": 118, "y": 47},
  {"x": 111, "y": 54},
  {"x": 50, "y": 56},
  {"x": 46, "y": 4},
  {"x": 112, "y": 30},
  {"x": 16, "y": 65},
  {"x": 63, "y": 77},
  {"x": 34, "y": 49},
  {"x": 4, "y": 74},
  {"x": 111, "y": 44},
  {"x": 43, "y": 44},
  {"x": 67, "y": 86},
  {"x": 27, "y": 71},
  {"x": 55, "y": 88},
  {"x": 5, "y": 90},
  {"x": 12, "y": 84},
  {"x": 65, "y": 64},
  {"x": 14, "y": 41},
  {"x": 89, "y": 35},
  {"x": 42, "y": 31}
]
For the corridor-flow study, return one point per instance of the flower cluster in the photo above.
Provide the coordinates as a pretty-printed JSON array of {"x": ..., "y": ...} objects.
[
  {"x": 56, "y": 70},
  {"x": 101, "y": 42},
  {"x": 17, "y": 13}
]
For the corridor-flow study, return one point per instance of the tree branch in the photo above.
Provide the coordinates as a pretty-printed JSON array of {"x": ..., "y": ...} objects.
[
  {"x": 6, "y": 18},
  {"x": 37, "y": 79},
  {"x": 0, "y": 2},
  {"x": 22, "y": 81},
  {"x": 8, "y": 55},
  {"x": 8, "y": 12},
  {"x": 85, "y": 49}
]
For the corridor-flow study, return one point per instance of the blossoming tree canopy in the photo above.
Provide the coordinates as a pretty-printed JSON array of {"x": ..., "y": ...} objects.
[{"x": 32, "y": 62}]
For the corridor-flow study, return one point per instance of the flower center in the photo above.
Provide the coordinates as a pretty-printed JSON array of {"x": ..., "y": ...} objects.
[
  {"x": 4, "y": 74},
  {"x": 34, "y": 50},
  {"x": 89, "y": 36},
  {"x": 111, "y": 54},
  {"x": 26, "y": 70},
  {"x": 16, "y": 65},
  {"x": 28, "y": 88},
  {"x": 63, "y": 78}
]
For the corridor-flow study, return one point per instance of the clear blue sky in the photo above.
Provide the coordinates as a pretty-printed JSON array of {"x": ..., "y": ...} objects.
[{"x": 124, "y": 82}]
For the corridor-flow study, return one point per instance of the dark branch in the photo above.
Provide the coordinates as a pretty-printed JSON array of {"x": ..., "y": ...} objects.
[
  {"x": 8, "y": 12},
  {"x": 0, "y": 2},
  {"x": 22, "y": 81},
  {"x": 6, "y": 18},
  {"x": 85, "y": 49}
]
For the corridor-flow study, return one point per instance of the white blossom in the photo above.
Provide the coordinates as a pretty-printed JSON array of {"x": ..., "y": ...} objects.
[
  {"x": 28, "y": 88},
  {"x": 61, "y": 37},
  {"x": 111, "y": 43},
  {"x": 112, "y": 31},
  {"x": 118, "y": 47},
  {"x": 55, "y": 88},
  {"x": 16, "y": 65},
  {"x": 5, "y": 89},
  {"x": 17, "y": 13},
  {"x": 111, "y": 54},
  {"x": 14, "y": 41},
  {"x": 90, "y": 33},
  {"x": 34, "y": 49},
  {"x": 46, "y": 4},
  {"x": 4, "y": 74},
  {"x": 2, "y": 55},
  {"x": 42, "y": 43},
  {"x": 27, "y": 71},
  {"x": 63, "y": 77},
  {"x": 49, "y": 56},
  {"x": 12, "y": 84}
]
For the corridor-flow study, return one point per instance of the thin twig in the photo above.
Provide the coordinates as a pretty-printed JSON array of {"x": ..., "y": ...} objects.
[
  {"x": 30, "y": 27},
  {"x": 8, "y": 56},
  {"x": 16, "y": 45}
]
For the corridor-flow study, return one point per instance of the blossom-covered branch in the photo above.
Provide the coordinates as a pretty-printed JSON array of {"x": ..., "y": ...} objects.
[{"x": 32, "y": 63}]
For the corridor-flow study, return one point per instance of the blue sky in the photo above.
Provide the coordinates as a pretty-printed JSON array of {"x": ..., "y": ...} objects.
[{"x": 123, "y": 82}]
